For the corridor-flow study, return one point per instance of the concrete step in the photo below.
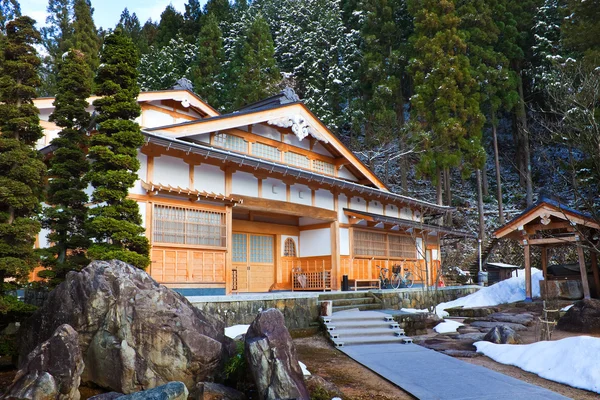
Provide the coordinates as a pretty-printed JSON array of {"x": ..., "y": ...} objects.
[
  {"x": 362, "y": 307},
  {"x": 366, "y": 332},
  {"x": 360, "y": 316},
  {"x": 358, "y": 340},
  {"x": 340, "y": 295},
  {"x": 366, "y": 324},
  {"x": 353, "y": 301}
]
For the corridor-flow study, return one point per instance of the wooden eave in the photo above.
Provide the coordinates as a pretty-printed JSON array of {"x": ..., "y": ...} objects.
[
  {"x": 530, "y": 221},
  {"x": 245, "y": 118},
  {"x": 192, "y": 194}
]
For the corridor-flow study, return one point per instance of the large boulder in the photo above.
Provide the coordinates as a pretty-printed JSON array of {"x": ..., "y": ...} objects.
[
  {"x": 272, "y": 360},
  {"x": 52, "y": 370},
  {"x": 170, "y": 391},
  {"x": 502, "y": 335},
  {"x": 134, "y": 334},
  {"x": 583, "y": 317},
  {"x": 215, "y": 391}
]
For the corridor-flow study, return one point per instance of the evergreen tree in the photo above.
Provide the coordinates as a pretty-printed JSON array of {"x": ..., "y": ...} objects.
[
  {"x": 149, "y": 32},
  {"x": 162, "y": 67},
  {"x": 582, "y": 29},
  {"x": 547, "y": 49},
  {"x": 130, "y": 24},
  {"x": 9, "y": 10},
  {"x": 85, "y": 37},
  {"x": 191, "y": 21},
  {"x": 171, "y": 22},
  {"x": 445, "y": 100},
  {"x": 254, "y": 69},
  {"x": 116, "y": 223},
  {"x": 207, "y": 73},
  {"x": 56, "y": 39},
  {"x": 221, "y": 9},
  {"x": 21, "y": 168},
  {"x": 67, "y": 214}
]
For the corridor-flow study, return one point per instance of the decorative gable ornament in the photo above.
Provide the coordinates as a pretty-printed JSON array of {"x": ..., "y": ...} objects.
[{"x": 299, "y": 125}]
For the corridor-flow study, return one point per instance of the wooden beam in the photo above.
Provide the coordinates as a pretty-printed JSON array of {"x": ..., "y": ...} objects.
[
  {"x": 594, "y": 260},
  {"x": 528, "y": 290},
  {"x": 550, "y": 226},
  {"x": 583, "y": 272},
  {"x": 283, "y": 207},
  {"x": 264, "y": 228},
  {"x": 556, "y": 240}
]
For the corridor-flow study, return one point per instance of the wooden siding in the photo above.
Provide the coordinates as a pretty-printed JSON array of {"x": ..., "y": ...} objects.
[{"x": 173, "y": 265}]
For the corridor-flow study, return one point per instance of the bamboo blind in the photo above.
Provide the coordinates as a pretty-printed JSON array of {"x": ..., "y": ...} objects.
[
  {"x": 367, "y": 243},
  {"x": 180, "y": 225}
]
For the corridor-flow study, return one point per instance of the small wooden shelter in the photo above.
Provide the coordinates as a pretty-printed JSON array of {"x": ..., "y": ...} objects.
[
  {"x": 499, "y": 271},
  {"x": 548, "y": 224}
]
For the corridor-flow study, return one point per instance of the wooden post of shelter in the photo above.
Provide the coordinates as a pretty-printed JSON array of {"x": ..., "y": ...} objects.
[
  {"x": 594, "y": 260},
  {"x": 583, "y": 271},
  {"x": 545, "y": 268},
  {"x": 528, "y": 291}
]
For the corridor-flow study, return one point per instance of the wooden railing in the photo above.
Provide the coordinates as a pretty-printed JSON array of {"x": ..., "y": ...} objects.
[
  {"x": 361, "y": 268},
  {"x": 311, "y": 274}
]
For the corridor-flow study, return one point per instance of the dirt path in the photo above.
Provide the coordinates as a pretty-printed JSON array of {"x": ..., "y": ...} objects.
[{"x": 354, "y": 380}]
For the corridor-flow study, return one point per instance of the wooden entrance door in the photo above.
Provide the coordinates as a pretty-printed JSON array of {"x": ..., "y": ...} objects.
[{"x": 253, "y": 259}]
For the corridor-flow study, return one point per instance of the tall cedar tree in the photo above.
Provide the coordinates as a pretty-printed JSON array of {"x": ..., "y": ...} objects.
[
  {"x": 85, "y": 36},
  {"x": 207, "y": 73},
  {"x": 445, "y": 100},
  {"x": 116, "y": 222},
  {"x": 67, "y": 213},
  {"x": 9, "y": 10},
  {"x": 582, "y": 29},
  {"x": 161, "y": 68},
  {"x": 56, "y": 39},
  {"x": 21, "y": 168},
  {"x": 221, "y": 9},
  {"x": 192, "y": 18},
  {"x": 171, "y": 22},
  {"x": 254, "y": 70},
  {"x": 130, "y": 24}
]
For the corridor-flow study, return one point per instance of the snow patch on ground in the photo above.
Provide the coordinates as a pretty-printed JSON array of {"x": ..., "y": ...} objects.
[
  {"x": 507, "y": 291},
  {"x": 236, "y": 330},
  {"x": 572, "y": 361},
  {"x": 414, "y": 310},
  {"x": 447, "y": 326},
  {"x": 567, "y": 308}
]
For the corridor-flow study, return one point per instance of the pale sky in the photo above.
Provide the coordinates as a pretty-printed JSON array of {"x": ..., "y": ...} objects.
[{"x": 107, "y": 12}]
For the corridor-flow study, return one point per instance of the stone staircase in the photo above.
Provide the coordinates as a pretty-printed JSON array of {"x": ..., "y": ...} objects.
[
  {"x": 354, "y": 327},
  {"x": 341, "y": 301}
]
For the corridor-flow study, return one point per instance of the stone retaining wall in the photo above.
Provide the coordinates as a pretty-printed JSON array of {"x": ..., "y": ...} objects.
[
  {"x": 300, "y": 311},
  {"x": 421, "y": 298}
]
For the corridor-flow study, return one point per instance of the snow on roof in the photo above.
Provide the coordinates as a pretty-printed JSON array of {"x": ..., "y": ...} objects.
[{"x": 503, "y": 265}]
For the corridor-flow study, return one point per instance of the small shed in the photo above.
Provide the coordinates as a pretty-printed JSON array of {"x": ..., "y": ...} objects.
[
  {"x": 499, "y": 271},
  {"x": 548, "y": 224}
]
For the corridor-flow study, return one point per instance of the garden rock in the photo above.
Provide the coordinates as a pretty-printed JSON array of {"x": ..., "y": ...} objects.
[
  {"x": 215, "y": 391},
  {"x": 316, "y": 384},
  {"x": 133, "y": 333},
  {"x": 272, "y": 358},
  {"x": 170, "y": 391},
  {"x": 52, "y": 370},
  {"x": 583, "y": 317},
  {"x": 485, "y": 325},
  {"x": 502, "y": 335},
  {"x": 107, "y": 396}
]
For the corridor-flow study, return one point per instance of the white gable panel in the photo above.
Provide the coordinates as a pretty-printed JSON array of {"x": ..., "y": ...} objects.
[
  {"x": 266, "y": 131},
  {"x": 209, "y": 178},
  {"x": 294, "y": 141},
  {"x": 245, "y": 184},
  {"x": 318, "y": 148},
  {"x": 274, "y": 189},
  {"x": 141, "y": 173},
  {"x": 153, "y": 118},
  {"x": 343, "y": 173},
  {"x": 171, "y": 171}
]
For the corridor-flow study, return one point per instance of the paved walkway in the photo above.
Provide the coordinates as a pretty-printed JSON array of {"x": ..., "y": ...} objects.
[{"x": 429, "y": 375}]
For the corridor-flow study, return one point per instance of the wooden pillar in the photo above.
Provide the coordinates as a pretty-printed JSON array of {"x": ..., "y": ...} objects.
[
  {"x": 528, "y": 295},
  {"x": 583, "y": 271},
  {"x": 335, "y": 255},
  {"x": 545, "y": 268},
  {"x": 278, "y": 273},
  {"x": 594, "y": 259},
  {"x": 228, "y": 253}
]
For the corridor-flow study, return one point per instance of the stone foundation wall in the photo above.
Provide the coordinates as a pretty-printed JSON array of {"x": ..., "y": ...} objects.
[
  {"x": 299, "y": 312},
  {"x": 421, "y": 298}
]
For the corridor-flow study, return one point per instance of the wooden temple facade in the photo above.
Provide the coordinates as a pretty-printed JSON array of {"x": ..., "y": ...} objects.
[
  {"x": 549, "y": 224},
  {"x": 249, "y": 201}
]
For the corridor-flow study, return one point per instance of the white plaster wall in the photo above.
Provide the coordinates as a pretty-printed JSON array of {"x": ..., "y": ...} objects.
[
  {"x": 245, "y": 184},
  {"x": 296, "y": 240},
  {"x": 345, "y": 174},
  {"x": 294, "y": 141},
  {"x": 44, "y": 141},
  {"x": 391, "y": 210},
  {"x": 315, "y": 242},
  {"x": 171, "y": 171},
  {"x": 142, "y": 207},
  {"x": 300, "y": 190},
  {"x": 43, "y": 238},
  {"x": 376, "y": 207},
  {"x": 318, "y": 148},
  {"x": 141, "y": 173},
  {"x": 417, "y": 216},
  {"x": 358, "y": 203},
  {"x": 45, "y": 114},
  {"x": 406, "y": 213},
  {"x": 274, "y": 189},
  {"x": 153, "y": 118},
  {"x": 342, "y": 203},
  {"x": 266, "y": 131},
  {"x": 344, "y": 241},
  {"x": 203, "y": 138},
  {"x": 420, "y": 251},
  {"x": 324, "y": 199},
  {"x": 209, "y": 178}
]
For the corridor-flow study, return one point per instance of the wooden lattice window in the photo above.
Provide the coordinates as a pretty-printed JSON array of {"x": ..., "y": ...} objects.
[
  {"x": 240, "y": 248},
  {"x": 189, "y": 226},
  {"x": 369, "y": 243},
  {"x": 296, "y": 159},
  {"x": 261, "y": 249},
  {"x": 323, "y": 167},
  {"x": 401, "y": 246},
  {"x": 266, "y": 151},
  {"x": 289, "y": 248},
  {"x": 230, "y": 142}
]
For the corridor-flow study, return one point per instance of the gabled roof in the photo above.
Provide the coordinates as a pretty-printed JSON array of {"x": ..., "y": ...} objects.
[
  {"x": 179, "y": 95},
  {"x": 548, "y": 208},
  {"x": 283, "y": 115}
]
